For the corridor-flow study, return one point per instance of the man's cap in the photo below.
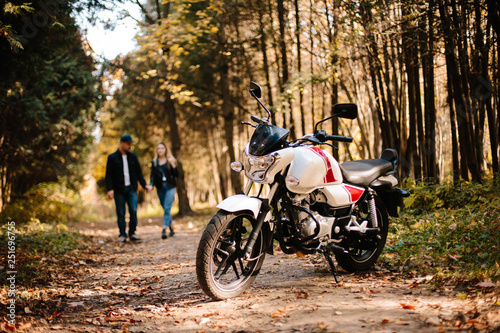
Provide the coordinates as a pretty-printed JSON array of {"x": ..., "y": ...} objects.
[{"x": 126, "y": 138}]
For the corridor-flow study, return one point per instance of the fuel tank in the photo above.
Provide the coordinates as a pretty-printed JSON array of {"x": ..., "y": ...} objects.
[{"x": 313, "y": 168}]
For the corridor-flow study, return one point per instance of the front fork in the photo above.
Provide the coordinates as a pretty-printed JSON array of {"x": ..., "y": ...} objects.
[{"x": 265, "y": 208}]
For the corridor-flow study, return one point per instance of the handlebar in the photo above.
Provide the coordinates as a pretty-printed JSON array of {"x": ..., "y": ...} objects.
[
  {"x": 258, "y": 120},
  {"x": 320, "y": 138},
  {"x": 338, "y": 138}
]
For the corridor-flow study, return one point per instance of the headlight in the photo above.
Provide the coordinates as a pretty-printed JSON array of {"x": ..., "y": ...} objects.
[
  {"x": 237, "y": 166},
  {"x": 256, "y": 167}
]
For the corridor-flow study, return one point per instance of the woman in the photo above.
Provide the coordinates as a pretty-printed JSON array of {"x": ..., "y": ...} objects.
[{"x": 163, "y": 174}]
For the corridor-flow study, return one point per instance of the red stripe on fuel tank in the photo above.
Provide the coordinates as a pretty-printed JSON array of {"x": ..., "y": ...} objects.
[
  {"x": 354, "y": 192},
  {"x": 329, "y": 178}
]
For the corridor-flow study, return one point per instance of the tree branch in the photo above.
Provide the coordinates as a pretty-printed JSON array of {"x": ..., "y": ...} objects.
[{"x": 145, "y": 12}]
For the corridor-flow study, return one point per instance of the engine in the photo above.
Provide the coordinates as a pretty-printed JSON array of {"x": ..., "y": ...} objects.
[{"x": 308, "y": 222}]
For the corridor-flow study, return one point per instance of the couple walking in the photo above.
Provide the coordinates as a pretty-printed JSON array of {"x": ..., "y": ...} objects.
[{"x": 123, "y": 172}]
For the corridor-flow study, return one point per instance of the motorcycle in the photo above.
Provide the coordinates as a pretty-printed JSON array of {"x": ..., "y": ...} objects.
[{"x": 314, "y": 205}]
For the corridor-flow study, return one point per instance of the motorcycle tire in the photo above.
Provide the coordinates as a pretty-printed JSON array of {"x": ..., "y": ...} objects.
[
  {"x": 221, "y": 268},
  {"x": 362, "y": 259}
]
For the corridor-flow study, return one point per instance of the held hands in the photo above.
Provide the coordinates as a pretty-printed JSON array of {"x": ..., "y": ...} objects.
[{"x": 111, "y": 194}]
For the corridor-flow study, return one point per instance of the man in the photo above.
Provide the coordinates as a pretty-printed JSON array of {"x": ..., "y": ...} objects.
[{"x": 123, "y": 171}]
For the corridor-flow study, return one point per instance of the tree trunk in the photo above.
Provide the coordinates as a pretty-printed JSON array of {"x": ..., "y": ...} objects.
[
  {"x": 311, "y": 40},
  {"x": 284, "y": 64},
  {"x": 227, "y": 105},
  {"x": 427, "y": 52},
  {"x": 467, "y": 118},
  {"x": 175, "y": 139},
  {"x": 454, "y": 139},
  {"x": 411, "y": 64},
  {"x": 334, "y": 94},
  {"x": 299, "y": 66},
  {"x": 455, "y": 90},
  {"x": 265, "y": 61}
]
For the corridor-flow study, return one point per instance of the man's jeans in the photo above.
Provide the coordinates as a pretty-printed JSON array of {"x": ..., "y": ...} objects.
[
  {"x": 166, "y": 197},
  {"x": 129, "y": 197}
]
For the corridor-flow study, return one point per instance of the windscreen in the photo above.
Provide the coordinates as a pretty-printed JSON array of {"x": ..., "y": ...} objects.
[{"x": 266, "y": 139}]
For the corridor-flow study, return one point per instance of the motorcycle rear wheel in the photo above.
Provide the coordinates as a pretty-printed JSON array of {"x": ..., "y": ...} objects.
[
  {"x": 221, "y": 268},
  {"x": 362, "y": 259}
]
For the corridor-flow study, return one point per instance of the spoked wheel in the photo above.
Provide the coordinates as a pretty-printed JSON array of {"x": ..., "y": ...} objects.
[
  {"x": 221, "y": 268},
  {"x": 365, "y": 250}
]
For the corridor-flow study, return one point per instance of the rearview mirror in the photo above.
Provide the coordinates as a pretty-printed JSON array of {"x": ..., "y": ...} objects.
[
  {"x": 346, "y": 110},
  {"x": 255, "y": 89}
]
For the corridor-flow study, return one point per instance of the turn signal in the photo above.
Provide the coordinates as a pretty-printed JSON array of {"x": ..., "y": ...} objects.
[
  {"x": 237, "y": 166},
  {"x": 291, "y": 181}
]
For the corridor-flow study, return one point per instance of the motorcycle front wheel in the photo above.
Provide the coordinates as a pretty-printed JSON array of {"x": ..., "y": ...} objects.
[
  {"x": 364, "y": 251},
  {"x": 221, "y": 268}
]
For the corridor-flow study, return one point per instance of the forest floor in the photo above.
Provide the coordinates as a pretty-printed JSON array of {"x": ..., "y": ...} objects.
[{"x": 151, "y": 286}]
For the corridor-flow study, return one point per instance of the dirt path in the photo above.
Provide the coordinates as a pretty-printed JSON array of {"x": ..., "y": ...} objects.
[{"x": 152, "y": 286}]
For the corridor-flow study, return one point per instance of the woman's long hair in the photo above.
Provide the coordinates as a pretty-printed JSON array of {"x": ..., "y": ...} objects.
[{"x": 168, "y": 152}]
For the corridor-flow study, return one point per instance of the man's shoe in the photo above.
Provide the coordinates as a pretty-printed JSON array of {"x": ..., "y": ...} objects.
[
  {"x": 164, "y": 234},
  {"x": 134, "y": 238},
  {"x": 122, "y": 239},
  {"x": 171, "y": 232}
]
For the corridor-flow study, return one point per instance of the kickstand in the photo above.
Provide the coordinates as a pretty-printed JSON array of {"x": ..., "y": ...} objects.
[{"x": 332, "y": 265}]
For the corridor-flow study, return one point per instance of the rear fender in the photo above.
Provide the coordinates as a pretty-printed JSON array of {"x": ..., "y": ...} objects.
[{"x": 391, "y": 196}]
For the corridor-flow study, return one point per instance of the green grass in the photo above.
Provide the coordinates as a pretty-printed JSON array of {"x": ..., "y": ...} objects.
[
  {"x": 39, "y": 250},
  {"x": 450, "y": 231}
]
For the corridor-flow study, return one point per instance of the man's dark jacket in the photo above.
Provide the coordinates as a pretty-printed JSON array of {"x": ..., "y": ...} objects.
[{"x": 115, "y": 180}]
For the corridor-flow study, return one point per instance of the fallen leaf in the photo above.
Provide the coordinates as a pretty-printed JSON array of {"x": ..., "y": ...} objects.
[
  {"x": 407, "y": 306},
  {"x": 493, "y": 317},
  {"x": 10, "y": 326},
  {"x": 434, "y": 321},
  {"x": 280, "y": 313},
  {"x": 386, "y": 321},
  {"x": 486, "y": 284},
  {"x": 85, "y": 293},
  {"x": 216, "y": 313},
  {"x": 74, "y": 304},
  {"x": 303, "y": 295},
  {"x": 204, "y": 321}
]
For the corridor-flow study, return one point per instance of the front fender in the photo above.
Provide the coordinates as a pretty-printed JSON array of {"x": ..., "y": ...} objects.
[{"x": 241, "y": 202}]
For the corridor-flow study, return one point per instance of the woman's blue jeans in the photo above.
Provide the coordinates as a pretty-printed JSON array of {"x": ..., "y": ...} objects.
[
  {"x": 130, "y": 198},
  {"x": 166, "y": 197}
]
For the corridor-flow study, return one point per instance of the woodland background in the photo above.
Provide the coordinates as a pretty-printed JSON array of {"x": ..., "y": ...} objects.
[{"x": 424, "y": 74}]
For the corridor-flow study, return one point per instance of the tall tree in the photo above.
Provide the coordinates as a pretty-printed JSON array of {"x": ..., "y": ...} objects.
[
  {"x": 427, "y": 56},
  {"x": 284, "y": 64},
  {"x": 48, "y": 96}
]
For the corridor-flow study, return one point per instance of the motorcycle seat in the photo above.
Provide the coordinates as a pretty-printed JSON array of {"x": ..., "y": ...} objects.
[{"x": 365, "y": 171}]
